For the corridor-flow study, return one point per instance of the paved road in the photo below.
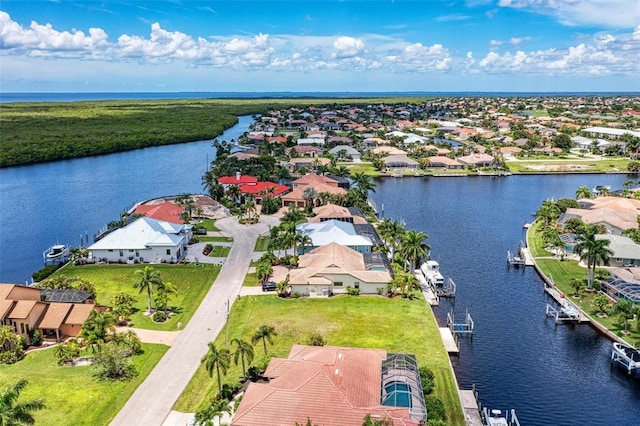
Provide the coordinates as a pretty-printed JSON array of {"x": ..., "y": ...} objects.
[{"x": 152, "y": 401}]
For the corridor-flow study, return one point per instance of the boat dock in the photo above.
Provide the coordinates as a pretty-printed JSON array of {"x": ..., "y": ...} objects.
[
  {"x": 525, "y": 254},
  {"x": 427, "y": 291},
  {"x": 449, "y": 341},
  {"x": 470, "y": 407}
]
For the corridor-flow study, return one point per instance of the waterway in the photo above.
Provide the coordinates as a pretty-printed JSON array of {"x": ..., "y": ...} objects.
[
  {"x": 59, "y": 202},
  {"x": 517, "y": 358}
]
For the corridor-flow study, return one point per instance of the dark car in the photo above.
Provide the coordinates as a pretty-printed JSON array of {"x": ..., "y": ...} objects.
[{"x": 269, "y": 286}]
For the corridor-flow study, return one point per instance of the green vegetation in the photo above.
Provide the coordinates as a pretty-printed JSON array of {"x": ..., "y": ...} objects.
[
  {"x": 220, "y": 251},
  {"x": 536, "y": 243},
  {"x": 573, "y": 165},
  {"x": 366, "y": 168},
  {"x": 192, "y": 283},
  {"x": 262, "y": 244},
  {"x": 209, "y": 225},
  {"x": 250, "y": 280},
  {"x": 72, "y": 395},
  {"x": 343, "y": 321},
  {"x": 48, "y": 131},
  {"x": 205, "y": 239}
]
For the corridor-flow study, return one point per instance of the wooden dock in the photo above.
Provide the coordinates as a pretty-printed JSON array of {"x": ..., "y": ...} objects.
[
  {"x": 525, "y": 254},
  {"x": 430, "y": 296},
  {"x": 470, "y": 407},
  {"x": 449, "y": 341},
  {"x": 558, "y": 296}
]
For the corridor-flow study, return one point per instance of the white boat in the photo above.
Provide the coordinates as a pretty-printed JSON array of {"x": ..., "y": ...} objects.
[
  {"x": 499, "y": 417},
  {"x": 431, "y": 271},
  {"x": 56, "y": 253},
  {"x": 627, "y": 356}
]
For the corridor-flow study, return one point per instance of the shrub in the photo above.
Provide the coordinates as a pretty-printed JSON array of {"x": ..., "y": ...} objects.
[
  {"x": 295, "y": 295},
  {"x": 112, "y": 362},
  {"x": 426, "y": 378},
  {"x": 160, "y": 316},
  {"x": 11, "y": 345},
  {"x": 315, "y": 339},
  {"x": 435, "y": 408},
  {"x": 352, "y": 291},
  {"x": 44, "y": 272},
  {"x": 34, "y": 337},
  {"x": 380, "y": 290}
]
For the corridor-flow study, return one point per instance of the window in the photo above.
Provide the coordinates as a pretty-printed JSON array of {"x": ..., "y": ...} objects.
[
  {"x": 27, "y": 328},
  {"x": 338, "y": 283},
  {"x": 121, "y": 253},
  {"x": 130, "y": 250},
  {"x": 168, "y": 251},
  {"x": 22, "y": 327},
  {"x": 137, "y": 253},
  {"x": 356, "y": 284},
  {"x": 110, "y": 251}
]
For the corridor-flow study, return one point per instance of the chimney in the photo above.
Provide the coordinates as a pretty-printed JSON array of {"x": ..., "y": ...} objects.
[{"x": 238, "y": 175}]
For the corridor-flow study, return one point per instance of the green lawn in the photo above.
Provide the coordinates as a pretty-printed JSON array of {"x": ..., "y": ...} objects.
[
  {"x": 209, "y": 224},
  {"x": 366, "y": 168},
  {"x": 262, "y": 244},
  {"x": 250, "y": 280},
  {"x": 220, "y": 251},
  {"x": 72, "y": 396},
  {"x": 535, "y": 243},
  {"x": 192, "y": 281},
  {"x": 563, "y": 165},
  {"x": 364, "y": 321},
  {"x": 205, "y": 239}
]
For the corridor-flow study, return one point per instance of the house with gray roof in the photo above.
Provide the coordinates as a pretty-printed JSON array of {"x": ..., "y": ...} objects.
[
  {"x": 334, "y": 231},
  {"x": 625, "y": 251},
  {"x": 345, "y": 152}
]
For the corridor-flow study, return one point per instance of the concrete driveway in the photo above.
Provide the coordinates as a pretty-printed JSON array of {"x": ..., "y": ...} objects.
[{"x": 151, "y": 403}]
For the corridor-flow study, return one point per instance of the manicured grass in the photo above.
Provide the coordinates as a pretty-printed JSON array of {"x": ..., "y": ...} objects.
[
  {"x": 192, "y": 282},
  {"x": 535, "y": 242},
  {"x": 209, "y": 224},
  {"x": 220, "y": 251},
  {"x": 205, "y": 239},
  {"x": 563, "y": 165},
  {"x": 366, "y": 168},
  {"x": 562, "y": 273},
  {"x": 262, "y": 244},
  {"x": 364, "y": 321},
  {"x": 250, "y": 280},
  {"x": 71, "y": 394}
]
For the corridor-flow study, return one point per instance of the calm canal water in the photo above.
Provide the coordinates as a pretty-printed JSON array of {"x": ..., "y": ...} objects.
[
  {"x": 552, "y": 376},
  {"x": 517, "y": 358}
]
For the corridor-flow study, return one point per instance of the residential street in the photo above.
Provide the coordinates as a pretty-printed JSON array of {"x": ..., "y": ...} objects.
[{"x": 152, "y": 401}]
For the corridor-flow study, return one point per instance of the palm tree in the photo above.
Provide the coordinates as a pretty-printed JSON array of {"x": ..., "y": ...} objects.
[
  {"x": 391, "y": 231},
  {"x": 364, "y": 184},
  {"x": 264, "y": 333},
  {"x": 233, "y": 192},
  {"x": 97, "y": 328},
  {"x": 548, "y": 213},
  {"x": 147, "y": 279},
  {"x": 263, "y": 270},
  {"x": 164, "y": 292},
  {"x": 218, "y": 359},
  {"x": 245, "y": 350},
  {"x": 303, "y": 241},
  {"x": 216, "y": 408},
  {"x": 414, "y": 248},
  {"x": 583, "y": 192},
  {"x": 17, "y": 413},
  {"x": 592, "y": 251}
]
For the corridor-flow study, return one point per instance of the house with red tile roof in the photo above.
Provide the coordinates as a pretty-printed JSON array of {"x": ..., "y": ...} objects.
[
  {"x": 335, "y": 386},
  {"x": 262, "y": 189},
  {"x": 238, "y": 180},
  {"x": 161, "y": 210}
]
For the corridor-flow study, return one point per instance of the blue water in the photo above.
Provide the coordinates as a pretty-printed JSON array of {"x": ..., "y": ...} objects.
[
  {"x": 99, "y": 96},
  {"x": 58, "y": 202},
  {"x": 516, "y": 358}
]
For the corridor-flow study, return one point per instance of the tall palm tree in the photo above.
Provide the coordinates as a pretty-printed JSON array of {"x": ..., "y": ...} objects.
[
  {"x": 146, "y": 280},
  {"x": 391, "y": 231},
  {"x": 204, "y": 416},
  {"x": 303, "y": 241},
  {"x": 264, "y": 333},
  {"x": 13, "y": 412},
  {"x": 414, "y": 248},
  {"x": 163, "y": 294},
  {"x": 592, "y": 251},
  {"x": 548, "y": 213},
  {"x": 218, "y": 359},
  {"x": 244, "y": 350},
  {"x": 263, "y": 270},
  {"x": 583, "y": 192},
  {"x": 364, "y": 184},
  {"x": 98, "y": 328}
]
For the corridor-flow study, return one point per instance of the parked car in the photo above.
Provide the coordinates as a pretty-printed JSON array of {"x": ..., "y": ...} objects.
[{"x": 269, "y": 286}]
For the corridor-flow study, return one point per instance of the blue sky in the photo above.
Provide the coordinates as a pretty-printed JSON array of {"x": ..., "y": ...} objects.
[{"x": 260, "y": 46}]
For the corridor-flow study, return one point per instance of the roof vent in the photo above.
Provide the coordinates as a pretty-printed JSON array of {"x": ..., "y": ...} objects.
[
  {"x": 337, "y": 371},
  {"x": 340, "y": 356}
]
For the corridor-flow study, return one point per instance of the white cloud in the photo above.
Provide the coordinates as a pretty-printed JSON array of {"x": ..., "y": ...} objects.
[
  {"x": 347, "y": 47},
  {"x": 606, "y": 13}
]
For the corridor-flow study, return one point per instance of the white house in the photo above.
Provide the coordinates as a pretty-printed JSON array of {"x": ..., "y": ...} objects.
[
  {"x": 334, "y": 231},
  {"x": 144, "y": 240}
]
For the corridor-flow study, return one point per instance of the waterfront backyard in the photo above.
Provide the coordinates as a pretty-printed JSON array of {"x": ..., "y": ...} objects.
[{"x": 396, "y": 325}]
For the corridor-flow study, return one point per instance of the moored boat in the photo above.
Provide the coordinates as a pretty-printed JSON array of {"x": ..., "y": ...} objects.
[
  {"x": 499, "y": 417},
  {"x": 627, "y": 356},
  {"x": 431, "y": 271},
  {"x": 56, "y": 253}
]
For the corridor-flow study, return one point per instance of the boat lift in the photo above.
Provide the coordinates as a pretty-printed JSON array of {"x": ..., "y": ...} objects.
[
  {"x": 626, "y": 356},
  {"x": 461, "y": 327},
  {"x": 447, "y": 290},
  {"x": 566, "y": 313}
]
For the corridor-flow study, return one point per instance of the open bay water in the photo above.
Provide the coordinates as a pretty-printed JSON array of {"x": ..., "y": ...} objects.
[{"x": 516, "y": 358}]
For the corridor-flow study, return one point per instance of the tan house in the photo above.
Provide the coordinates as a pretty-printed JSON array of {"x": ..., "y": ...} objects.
[
  {"x": 22, "y": 309},
  {"x": 335, "y": 212},
  {"x": 510, "y": 151},
  {"x": 477, "y": 160},
  {"x": 388, "y": 150},
  {"x": 321, "y": 184},
  {"x": 445, "y": 163},
  {"x": 332, "y": 268}
]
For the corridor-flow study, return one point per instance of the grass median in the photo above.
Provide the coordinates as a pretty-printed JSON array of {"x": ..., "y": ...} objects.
[
  {"x": 396, "y": 325},
  {"x": 192, "y": 281}
]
